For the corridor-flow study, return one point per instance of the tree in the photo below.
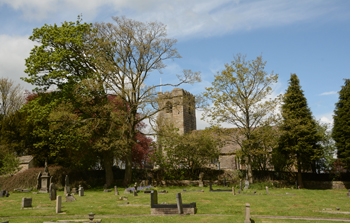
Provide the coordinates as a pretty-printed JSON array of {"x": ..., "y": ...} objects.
[
  {"x": 341, "y": 128},
  {"x": 187, "y": 152},
  {"x": 128, "y": 53},
  {"x": 11, "y": 97},
  {"x": 299, "y": 140},
  {"x": 240, "y": 97}
]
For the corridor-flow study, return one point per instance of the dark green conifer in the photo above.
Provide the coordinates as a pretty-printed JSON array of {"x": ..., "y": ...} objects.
[
  {"x": 341, "y": 128},
  {"x": 299, "y": 138}
]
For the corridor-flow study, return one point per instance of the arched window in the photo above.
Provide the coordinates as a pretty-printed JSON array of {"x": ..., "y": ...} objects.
[{"x": 169, "y": 107}]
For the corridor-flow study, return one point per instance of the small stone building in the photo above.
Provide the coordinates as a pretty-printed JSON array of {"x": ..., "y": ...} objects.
[{"x": 26, "y": 162}]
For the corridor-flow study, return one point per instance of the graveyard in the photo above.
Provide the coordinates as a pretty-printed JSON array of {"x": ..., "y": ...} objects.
[{"x": 217, "y": 204}]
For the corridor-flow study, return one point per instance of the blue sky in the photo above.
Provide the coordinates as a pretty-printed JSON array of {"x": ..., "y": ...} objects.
[{"x": 307, "y": 37}]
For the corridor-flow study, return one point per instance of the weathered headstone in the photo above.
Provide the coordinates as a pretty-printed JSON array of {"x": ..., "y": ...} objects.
[
  {"x": 127, "y": 191},
  {"x": 233, "y": 191},
  {"x": 66, "y": 185},
  {"x": 7, "y": 194},
  {"x": 247, "y": 213},
  {"x": 154, "y": 197},
  {"x": 81, "y": 191},
  {"x": 52, "y": 192},
  {"x": 58, "y": 204},
  {"x": 70, "y": 198},
  {"x": 246, "y": 186},
  {"x": 26, "y": 202},
  {"x": 45, "y": 180},
  {"x": 2, "y": 193},
  {"x": 348, "y": 193},
  {"x": 210, "y": 186},
  {"x": 116, "y": 192},
  {"x": 38, "y": 181},
  {"x": 240, "y": 184},
  {"x": 135, "y": 193},
  {"x": 179, "y": 203},
  {"x": 201, "y": 183},
  {"x": 267, "y": 190}
]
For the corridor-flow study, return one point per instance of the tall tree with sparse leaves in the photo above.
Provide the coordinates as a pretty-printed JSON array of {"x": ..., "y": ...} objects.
[
  {"x": 299, "y": 138},
  {"x": 341, "y": 128}
]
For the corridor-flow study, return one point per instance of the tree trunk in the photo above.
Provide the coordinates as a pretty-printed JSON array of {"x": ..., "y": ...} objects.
[
  {"x": 108, "y": 163},
  {"x": 128, "y": 169},
  {"x": 250, "y": 171},
  {"x": 300, "y": 179}
]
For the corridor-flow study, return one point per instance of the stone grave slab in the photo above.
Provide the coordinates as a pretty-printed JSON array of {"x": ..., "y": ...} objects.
[{"x": 27, "y": 202}]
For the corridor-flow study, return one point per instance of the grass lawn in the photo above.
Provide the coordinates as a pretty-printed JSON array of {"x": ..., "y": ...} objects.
[{"x": 211, "y": 206}]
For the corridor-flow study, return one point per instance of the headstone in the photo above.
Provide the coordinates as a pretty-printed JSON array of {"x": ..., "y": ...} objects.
[
  {"x": 154, "y": 197},
  {"x": 201, "y": 183},
  {"x": 240, "y": 184},
  {"x": 26, "y": 202},
  {"x": 247, "y": 213},
  {"x": 81, "y": 191},
  {"x": 224, "y": 182},
  {"x": 58, "y": 204},
  {"x": 348, "y": 193},
  {"x": 38, "y": 181},
  {"x": 246, "y": 186},
  {"x": 45, "y": 180},
  {"x": 70, "y": 198},
  {"x": 135, "y": 193},
  {"x": 233, "y": 191},
  {"x": 267, "y": 190},
  {"x": 127, "y": 191},
  {"x": 52, "y": 192},
  {"x": 179, "y": 203},
  {"x": 210, "y": 186},
  {"x": 2, "y": 193},
  {"x": 116, "y": 192},
  {"x": 107, "y": 191},
  {"x": 66, "y": 185},
  {"x": 7, "y": 194}
]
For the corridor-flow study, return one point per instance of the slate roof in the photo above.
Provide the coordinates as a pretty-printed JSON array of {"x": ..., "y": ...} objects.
[{"x": 25, "y": 159}]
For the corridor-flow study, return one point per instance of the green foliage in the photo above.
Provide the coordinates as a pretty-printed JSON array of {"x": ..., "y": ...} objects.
[
  {"x": 186, "y": 152},
  {"x": 240, "y": 97},
  {"x": 9, "y": 163},
  {"x": 299, "y": 141},
  {"x": 341, "y": 128}
]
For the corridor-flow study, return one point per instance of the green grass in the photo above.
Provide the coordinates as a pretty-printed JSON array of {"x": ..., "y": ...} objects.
[{"x": 306, "y": 203}]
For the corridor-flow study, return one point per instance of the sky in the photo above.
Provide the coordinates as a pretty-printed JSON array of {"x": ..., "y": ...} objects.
[{"x": 307, "y": 37}]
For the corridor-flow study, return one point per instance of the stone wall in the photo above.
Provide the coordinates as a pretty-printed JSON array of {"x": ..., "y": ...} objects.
[{"x": 327, "y": 184}]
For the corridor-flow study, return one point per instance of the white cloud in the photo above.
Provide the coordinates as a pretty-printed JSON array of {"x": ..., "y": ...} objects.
[
  {"x": 183, "y": 18},
  {"x": 13, "y": 51},
  {"x": 329, "y": 93}
]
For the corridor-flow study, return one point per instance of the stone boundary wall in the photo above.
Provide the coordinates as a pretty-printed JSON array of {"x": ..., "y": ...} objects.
[
  {"x": 188, "y": 182},
  {"x": 327, "y": 184}
]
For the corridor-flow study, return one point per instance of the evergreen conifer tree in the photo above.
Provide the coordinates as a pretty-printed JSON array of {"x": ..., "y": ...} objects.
[
  {"x": 341, "y": 128},
  {"x": 299, "y": 138}
]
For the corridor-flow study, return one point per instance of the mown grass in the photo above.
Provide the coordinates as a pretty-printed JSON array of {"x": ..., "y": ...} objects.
[{"x": 308, "y": 203}]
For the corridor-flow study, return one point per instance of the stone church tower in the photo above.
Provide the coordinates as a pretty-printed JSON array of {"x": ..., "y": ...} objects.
[{"x": 178, "y": 109}]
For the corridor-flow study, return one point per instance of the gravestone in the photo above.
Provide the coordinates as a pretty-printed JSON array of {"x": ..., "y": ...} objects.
[
  {"x": 58, "y": 204},
  {"x": 201, "y": 183},
  {"x": 224, "y": 182},
  {"x": 179, "y": 203},
  {"x": 2, "y": 193},
  {"x": 240, "y": 184},
  {"x": 52, "y": 192},
  {"x": 70, "y": 198},
  {"x": 7, "y": 194},
  {"x": 45, "y": 180},
  {"x": 210, "y": 186},
  {"x": 66, "y": 185},
  {"x": 267, "y": 190},
  {"x": 348, "y": 193},
  {"x": 116, "y": 192},
  {"x": 81, "y": 191},
  {"x": 247, "y": 213},
  {"x": 233, "y": 191},
  {"x": 26, "y": 202},
  {"x": 38, "y": 183},
  {"x": 127, "y": 191},
  {"x": 246, "y": 186},
  {"x": 135, "y": 193}
]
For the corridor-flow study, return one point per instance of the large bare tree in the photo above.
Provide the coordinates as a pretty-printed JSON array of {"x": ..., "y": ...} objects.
[{"x": 11, "y": 96}]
